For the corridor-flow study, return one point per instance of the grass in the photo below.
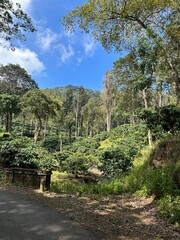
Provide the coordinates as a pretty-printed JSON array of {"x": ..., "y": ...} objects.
[{"x": 142, "y": 179}]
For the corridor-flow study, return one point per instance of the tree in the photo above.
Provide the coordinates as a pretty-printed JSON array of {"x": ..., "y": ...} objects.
[
  {"x": 119, "y": 24},
  {"x": 15, "y": 80},
  {"x": 68, "y": 112},
  {"x": 8, "y": 106},
  {"x": 107, "y": 96},
  {"x": 81, "y": 99},
  {"x": 58, "y": 119},
  {"x": 93, "y": 116},
  {"x": 138, "y": 68},
  {"x": 35, "y": 103},
  {"x": 13, "y": 22}
]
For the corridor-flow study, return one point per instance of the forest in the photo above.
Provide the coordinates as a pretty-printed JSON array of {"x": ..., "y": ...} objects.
[{"x": 105, "y": 139}]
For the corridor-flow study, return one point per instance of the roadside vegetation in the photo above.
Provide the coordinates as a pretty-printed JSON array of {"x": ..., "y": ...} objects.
[{"x": 123, "y": 139}]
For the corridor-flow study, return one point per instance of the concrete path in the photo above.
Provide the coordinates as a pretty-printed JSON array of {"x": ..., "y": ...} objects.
[{"x": 22, "y": 219}]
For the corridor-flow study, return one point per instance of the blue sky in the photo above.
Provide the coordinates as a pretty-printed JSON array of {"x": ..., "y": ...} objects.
[{"x": 54, "y": 57}]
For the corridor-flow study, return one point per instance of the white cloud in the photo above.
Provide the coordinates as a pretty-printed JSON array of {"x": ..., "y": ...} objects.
[
  {"x": 24, "y": 57},
  {"x": 65, "y": 53},
  {"x": 45, "y": 38},
  {"x": 25, "y": 4},
  {"x": 69, "y": 34},
  {"x": 89, "y": 46},
  {"x": 79, "y": 59}
]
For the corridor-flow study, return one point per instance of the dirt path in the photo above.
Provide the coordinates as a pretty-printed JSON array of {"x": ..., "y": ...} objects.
[{"x": 119, "y": 217}]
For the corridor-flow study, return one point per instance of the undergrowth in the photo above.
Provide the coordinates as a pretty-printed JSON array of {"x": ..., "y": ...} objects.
[{"x": 143, "y": 180}]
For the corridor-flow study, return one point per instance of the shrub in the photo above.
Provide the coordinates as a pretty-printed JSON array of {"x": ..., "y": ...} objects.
[
  {"x": 114, "y": 162},
  {"x": 5, "y": 135},
  {"x": 78, "y": 163},
  {"x": 168, "y": 207}
]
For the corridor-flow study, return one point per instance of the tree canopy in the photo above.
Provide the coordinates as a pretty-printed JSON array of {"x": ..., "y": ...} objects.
[
  {"x": 15, "y": 80},
  {"x": 13, "y": 22},
  {"x": 118, "y": 25}
]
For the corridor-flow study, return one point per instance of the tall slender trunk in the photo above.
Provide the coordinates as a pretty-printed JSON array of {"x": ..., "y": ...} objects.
[
  {"x": 77, "y": 118},
  {"x": 160, "y": 95},
  {"x": 70, "y": 133},
  {"x": 150, "y": 138},
  {"x": 37, "y": 131},
  {"x": 144, "y": 91},
  {"x": 60, "y": 140},
  {"x": 23, "y": 126},
  {"x": 175, "y": 79},
  {"x": 9, "y": 122},
  {"x": 132, "y": 118},
  {"x": 108, "y": 120},
  {"x": 45, "y": 128}
]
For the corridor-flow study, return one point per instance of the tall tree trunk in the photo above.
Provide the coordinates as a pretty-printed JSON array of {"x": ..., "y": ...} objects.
[
  {"x": 175, "y": 79},
  {"x": 144, "y": 92},
  {"x": 150, "y": 138},
  {"x": 70, "y": 134},
  {"x": 108, "y": 99},
  {"x": 160, "y": 95},
  {"x": 146, "y": 106},
  {"x": 37, "y": 130},
  {"x": 60, "y": 141},
  {"x": 132, "y": 118},
  {"x": 77, "y": 118},
  {"x": 108, "y": 120},
  {"x": 45, "y": 128},
  {"x": 23, "y": 126},
  {"x": 9, "y": 122}
]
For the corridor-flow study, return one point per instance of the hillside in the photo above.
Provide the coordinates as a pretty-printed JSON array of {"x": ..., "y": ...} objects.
[{"x": 60, "y": 91}]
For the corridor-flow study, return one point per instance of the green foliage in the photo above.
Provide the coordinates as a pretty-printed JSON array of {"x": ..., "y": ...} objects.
[
  {"x": 115, "y": 162},
  {"x": 160, "y": 181},
  {"x": 45, "y": 160},
  {"x": 94, "y": 190},
  {"x": 168, "y": 207},
  {"x": 123, "y": 25},
  {"x": 78, "y": 163},
  {"x": 142, "y": 179},
  {"x": 147, "y": 180},
  {"x": 18, "y": 153},
  {"x": 51, "y": 143},
  {"x": 122, "y": 144},
  {"x": 4, "y": 135},
  {"x": 129, "y": 137},
  {"x": 14, "y": 21},
  {"x": 15, "y": 80},
  {"x": 24, "y": 158},
  {"x": 166, "y": 117},
  {"x": 22, "y": 152},
  {"x": 35, "y": 102}
]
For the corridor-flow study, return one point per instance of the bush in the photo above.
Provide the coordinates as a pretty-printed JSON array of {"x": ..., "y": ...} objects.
[
  {"x": 18, "y": 153},
  {"x": 169, "y": 208},
  {"x": 23, "y": 153},
  {"x": 114, "y": 162},
  {"x": 5, "y": 135},
  {"x": 166, "y": 118},
  {"x": 78, "y": 163}
]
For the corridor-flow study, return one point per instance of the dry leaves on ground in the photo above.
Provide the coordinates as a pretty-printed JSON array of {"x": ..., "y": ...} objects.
[{"x": 116, "y": 217}]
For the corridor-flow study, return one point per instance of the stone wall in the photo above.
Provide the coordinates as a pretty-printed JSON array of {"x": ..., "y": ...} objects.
[{"x": 29, "y": 177}]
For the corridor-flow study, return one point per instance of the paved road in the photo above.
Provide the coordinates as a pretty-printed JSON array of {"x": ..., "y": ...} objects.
[{"x": 22, "y": 219}]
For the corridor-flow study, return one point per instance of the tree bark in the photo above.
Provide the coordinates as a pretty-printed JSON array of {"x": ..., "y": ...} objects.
[
  {"x": 37, "y": 130},
  {"x": 108, "y": 120}
]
